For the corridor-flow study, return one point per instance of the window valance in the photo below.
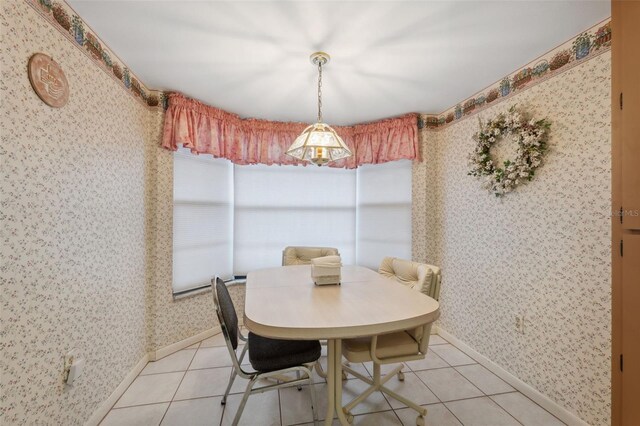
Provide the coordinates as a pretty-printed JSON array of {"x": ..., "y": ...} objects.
[{"x": 208, "y": 130}]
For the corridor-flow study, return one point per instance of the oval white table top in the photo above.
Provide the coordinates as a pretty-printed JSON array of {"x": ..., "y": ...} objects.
[{"x": 284, "y": 303}]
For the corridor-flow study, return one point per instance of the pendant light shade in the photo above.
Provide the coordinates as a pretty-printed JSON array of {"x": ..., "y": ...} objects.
[{"x": 319, "y": 143}]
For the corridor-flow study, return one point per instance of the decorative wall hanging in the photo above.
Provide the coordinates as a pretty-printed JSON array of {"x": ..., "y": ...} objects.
[
  {"x": 48, "y": 80},
  {"x": 531, "y": 137}
]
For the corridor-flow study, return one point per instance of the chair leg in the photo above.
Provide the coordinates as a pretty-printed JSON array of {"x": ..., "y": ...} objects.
[
  {"x": 377, "y": 384},
  {"x": 357, "y": 375},
  {"x": 312, "y": 390},
  {"x": 245, "y": 396},
  {"x": 421, "y": 410},
  {"x": 243, "y": 353},
  {"x": 231, "y": 379},
  {"x": 364, "y": 395},
  {"x": 376, "y": 374},
  {"x": 319, "y": 370},
  {"x": 401, "y": 375}
]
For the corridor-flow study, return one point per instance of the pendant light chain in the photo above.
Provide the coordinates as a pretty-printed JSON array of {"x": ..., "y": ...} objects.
[
  {"x": 320, "y": 91},
  {"x": 319, "y": 143}
]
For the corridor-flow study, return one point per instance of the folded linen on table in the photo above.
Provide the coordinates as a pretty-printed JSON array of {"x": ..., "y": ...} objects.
[{"x": 326, "y": 270}]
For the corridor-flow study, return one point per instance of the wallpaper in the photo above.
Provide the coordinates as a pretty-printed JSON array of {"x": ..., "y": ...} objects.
[
  {"x": 542, "y": 251},
  {"x": 171, "y": 321},
  {"x": 72, "y": 224},
  {"x": 86, "y": 225},
  {"x": 424, "y": 218}
]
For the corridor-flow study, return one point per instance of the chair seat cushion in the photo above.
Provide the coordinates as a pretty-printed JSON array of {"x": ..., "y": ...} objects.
[
  {"x": 274, "y": 354},
  {"x": 389, "y": 345}
]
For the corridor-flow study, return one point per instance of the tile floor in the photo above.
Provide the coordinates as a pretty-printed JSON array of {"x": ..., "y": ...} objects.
[{"x": 185, "y": 389}]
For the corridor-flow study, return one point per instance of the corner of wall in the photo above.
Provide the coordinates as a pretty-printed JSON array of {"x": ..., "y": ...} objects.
[{"x": 425, "y": 219}]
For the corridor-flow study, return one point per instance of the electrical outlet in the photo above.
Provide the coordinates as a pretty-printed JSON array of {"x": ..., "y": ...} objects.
[
  {"x": 68, "y": 361},
  {"x": 73, "y": 367},
  {"x": 520, "y": 324}
]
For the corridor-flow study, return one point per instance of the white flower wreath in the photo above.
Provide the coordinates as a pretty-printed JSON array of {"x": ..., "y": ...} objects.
[{"x": 531, "y": 137}]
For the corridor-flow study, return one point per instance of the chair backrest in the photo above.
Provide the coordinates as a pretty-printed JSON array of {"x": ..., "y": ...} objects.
[
  {"x": 419, "y": 276},
  {"x": 302, "y": 255},
  {"x": 226, "y": 312}
]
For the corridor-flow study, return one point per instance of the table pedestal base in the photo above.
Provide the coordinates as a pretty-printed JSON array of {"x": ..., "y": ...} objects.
[{"x": 334, "y": 383}]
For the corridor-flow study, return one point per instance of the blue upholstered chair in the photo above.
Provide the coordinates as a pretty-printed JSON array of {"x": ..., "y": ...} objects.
[{"x": 269, "y": 358}]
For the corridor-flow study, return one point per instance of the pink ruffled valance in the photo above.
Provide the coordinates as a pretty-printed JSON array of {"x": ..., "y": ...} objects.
[{"x": 208, "y": 130}]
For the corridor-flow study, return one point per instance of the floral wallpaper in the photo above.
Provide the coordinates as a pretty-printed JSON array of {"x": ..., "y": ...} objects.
[
  {"x": 424, "y": 218},
  {"x": 542, "y": 251},
  {"x": 86, "y": 224},
  {"x": 73, "y": 229},
  {"x": 170, "y": 321}
]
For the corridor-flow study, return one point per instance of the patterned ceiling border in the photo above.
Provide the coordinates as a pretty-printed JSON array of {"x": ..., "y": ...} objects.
[
  {"x": 62, "y": 17},
  {"x": 586, "y": 45}
]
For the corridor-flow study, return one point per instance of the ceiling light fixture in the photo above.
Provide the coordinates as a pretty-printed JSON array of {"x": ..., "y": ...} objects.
[{"x": 319, "y": 143}]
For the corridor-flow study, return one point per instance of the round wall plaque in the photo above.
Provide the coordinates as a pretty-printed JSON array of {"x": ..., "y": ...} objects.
[{"x": 48, "y": 80}]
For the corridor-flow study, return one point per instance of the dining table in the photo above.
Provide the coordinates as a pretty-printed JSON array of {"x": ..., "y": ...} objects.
[{"x": 284, "y": 303}]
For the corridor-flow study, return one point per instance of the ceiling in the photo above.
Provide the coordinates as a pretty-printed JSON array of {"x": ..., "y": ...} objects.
[{"x": 388, "y": 57}]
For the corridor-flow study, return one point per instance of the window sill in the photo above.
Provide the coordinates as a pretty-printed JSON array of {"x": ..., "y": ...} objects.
[{"x": 203, "y": 290}]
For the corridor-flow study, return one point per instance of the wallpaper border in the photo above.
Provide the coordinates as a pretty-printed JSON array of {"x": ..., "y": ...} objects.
[
  {"x": 590, "y": 43},
  {"x": 68, "y": 22},
  {"x": 578, "y": 49}
]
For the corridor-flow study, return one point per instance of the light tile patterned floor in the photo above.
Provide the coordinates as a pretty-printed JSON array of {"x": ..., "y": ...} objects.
[{"x": 185, "y": 389}]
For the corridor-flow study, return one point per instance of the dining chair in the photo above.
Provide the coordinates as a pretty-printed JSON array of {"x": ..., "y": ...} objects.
[
  {"x": 396, "y": 347},
  {"x": 422, "y": 277},
  {"x": 297, "y": 255},
  {"x": 269, "y": 358},
  {"x": 391, "y": 348}
]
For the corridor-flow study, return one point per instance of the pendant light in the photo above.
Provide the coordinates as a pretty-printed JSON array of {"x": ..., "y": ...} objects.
[{"x": 319, "y": 143}]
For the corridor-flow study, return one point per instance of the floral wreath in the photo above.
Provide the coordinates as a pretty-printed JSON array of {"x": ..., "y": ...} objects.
[{"x": 531, "y": 137}]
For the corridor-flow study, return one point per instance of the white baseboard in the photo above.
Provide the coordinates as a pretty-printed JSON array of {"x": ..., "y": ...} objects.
[
  {"x": 544, "y": 401},
  {"x": 175, "y": 347},
  {"x": 104, "y": 408}
]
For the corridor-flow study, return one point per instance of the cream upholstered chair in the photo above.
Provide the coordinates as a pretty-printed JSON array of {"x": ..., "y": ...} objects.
[
  {"x": 389, "y": 348},
  {"x": 303, "y": 255},
  {"x": 419, "y": 276},
  {"x": 395, "y": 347}
]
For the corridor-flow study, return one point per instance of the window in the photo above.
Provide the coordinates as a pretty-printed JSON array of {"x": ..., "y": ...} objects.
[
  {"x": 229, "y": 220},
  {"x": 279, "y": 206},
  {"x": 202, "y": 220},
  {"x": 384, "y": 212}
]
